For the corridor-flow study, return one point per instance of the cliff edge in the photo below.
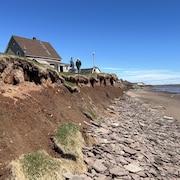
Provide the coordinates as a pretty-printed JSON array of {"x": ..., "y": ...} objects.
[{"x": 35, "y": 100}]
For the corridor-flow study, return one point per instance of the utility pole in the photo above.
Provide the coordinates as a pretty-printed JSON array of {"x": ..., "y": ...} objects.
[{"x": 93, "y": 58}]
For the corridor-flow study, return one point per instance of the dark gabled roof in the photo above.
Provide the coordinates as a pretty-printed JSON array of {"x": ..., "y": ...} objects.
[
  {"x": 87, "y": 70},
  {"x": 36, "y": 48}
]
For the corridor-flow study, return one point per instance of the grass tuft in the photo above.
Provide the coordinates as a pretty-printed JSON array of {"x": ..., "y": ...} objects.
[
  {"x": 69, "y": 139},
  {"x": 66, "y": 130},
  {"x": 89, "y": 114},
  {"x": 37, "y": 164},
  {"x": 71, "y": 86}
]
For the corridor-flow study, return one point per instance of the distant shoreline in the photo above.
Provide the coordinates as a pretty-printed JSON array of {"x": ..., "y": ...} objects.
[
  {"x": 171, "y": 88},
  {"x": 169, "y": 102}
]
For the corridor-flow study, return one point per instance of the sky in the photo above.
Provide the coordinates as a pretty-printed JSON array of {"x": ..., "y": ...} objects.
[{"x": 138, "y": 40}]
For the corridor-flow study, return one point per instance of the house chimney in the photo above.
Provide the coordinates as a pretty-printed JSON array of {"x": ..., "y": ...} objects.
[{"x": 34, "y": 38}]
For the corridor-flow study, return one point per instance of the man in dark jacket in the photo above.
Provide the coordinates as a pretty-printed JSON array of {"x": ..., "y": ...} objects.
[{"x": 78, "y": 64}]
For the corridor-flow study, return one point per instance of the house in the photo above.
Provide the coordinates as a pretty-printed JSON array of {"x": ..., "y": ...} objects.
[
  {"x": 37, "y": 50},
  {"x": 91, "y": 70}
]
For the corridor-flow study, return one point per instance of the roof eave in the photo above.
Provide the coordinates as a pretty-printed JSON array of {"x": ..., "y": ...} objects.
[{"x": 35, "y": 56}]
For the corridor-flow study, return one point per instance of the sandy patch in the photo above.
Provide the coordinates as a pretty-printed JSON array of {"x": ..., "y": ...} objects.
[{"x": 167, "y": 102}]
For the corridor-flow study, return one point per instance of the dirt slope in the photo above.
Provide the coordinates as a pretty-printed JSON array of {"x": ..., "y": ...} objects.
[{"x": 31, "y": 112}]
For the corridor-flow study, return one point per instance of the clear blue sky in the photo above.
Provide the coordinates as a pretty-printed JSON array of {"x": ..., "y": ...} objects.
[{"x": 139, "y": 40}]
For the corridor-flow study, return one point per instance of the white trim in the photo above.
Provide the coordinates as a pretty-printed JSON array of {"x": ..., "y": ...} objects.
[
  {"x": 42, "y": 61},
  {"x": 48, "y": 58}
]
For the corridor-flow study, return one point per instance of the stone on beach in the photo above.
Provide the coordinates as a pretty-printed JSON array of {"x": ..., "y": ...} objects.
[
  {"x": 98, "y": 166},
  {"x": 118, "y": 171},
  {"x": 137, "y": 144},
  {"x": 133, "y": 168}
]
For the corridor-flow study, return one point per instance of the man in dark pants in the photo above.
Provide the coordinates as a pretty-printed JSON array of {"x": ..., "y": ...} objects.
[{"x": 78, "y": 64}]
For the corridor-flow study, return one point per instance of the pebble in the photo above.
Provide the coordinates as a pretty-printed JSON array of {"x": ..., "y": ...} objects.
[{"x": 134, "y": 143}]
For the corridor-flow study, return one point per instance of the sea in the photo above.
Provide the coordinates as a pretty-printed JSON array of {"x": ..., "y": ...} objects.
[{"x": 170, "y": 88}]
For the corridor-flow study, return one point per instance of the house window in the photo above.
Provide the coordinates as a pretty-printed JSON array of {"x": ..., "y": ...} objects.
[{"x": 18, "y": 53}]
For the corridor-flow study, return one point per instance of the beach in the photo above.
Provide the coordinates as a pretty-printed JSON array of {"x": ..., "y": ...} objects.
[
  {"x": 137, "y": 138},
  {"x": 166, "y": 103}
]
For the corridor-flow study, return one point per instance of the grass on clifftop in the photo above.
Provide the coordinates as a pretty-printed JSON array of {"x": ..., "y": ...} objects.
[{"x": 71, "y": 86}]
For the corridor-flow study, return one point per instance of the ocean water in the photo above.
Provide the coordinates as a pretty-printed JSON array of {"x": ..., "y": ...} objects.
[{"x": 174, "y": 88}]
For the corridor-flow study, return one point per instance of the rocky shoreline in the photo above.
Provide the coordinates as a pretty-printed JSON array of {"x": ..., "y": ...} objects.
[{"x": 134, "y": 142}]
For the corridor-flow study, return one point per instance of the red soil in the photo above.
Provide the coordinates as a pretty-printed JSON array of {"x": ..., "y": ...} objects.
[{"x": 31, "y": 114}]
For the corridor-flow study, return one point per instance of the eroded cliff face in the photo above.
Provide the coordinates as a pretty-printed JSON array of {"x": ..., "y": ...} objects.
[
  {"x": 15, "y": 70},
  {"x": 35, "y": 100}
]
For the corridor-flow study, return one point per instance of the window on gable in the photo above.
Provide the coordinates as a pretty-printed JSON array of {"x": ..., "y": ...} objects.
[{"x": 18, "y": 53}]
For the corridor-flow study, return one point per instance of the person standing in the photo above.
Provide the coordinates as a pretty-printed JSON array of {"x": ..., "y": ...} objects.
[
  {"x": 72, "y": 64},
  {"x": 78, "y": 64}
]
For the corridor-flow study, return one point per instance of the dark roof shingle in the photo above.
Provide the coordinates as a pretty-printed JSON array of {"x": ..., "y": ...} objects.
[{"x": 34, "y": 47}]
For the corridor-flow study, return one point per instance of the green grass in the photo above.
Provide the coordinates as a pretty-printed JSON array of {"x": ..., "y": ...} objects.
[
  {"x": 71, "y": 86},
  {"x": 67, "y": 73},
  {"x": 91, "y": 115},
  {"x": 69, "y": 139},
  {"x": 66, "y": 130},
  {"x": 36, "y": 165}
]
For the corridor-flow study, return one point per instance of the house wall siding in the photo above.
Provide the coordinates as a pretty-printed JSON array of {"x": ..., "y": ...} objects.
[
  {"x": 14, "y": 49},
  {"x": 40, "y": 51}
]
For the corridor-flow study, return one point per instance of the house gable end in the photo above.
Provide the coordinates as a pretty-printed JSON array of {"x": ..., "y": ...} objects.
[
  {"x": 36, "y": 48},
  {"x": 14, "y": 48}
]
